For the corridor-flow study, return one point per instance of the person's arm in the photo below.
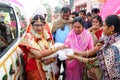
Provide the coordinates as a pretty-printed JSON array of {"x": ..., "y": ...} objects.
[
  {"x": 92, "y": 29},
  {"x": 90, "y": 52},
  {"x": 82, "y": 59},
  {"x": 46, "y": 52},
  {"x": 79, "y": 58}
]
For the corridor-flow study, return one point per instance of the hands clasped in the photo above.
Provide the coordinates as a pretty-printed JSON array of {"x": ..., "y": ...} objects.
[{"x": 62, "y": 51}]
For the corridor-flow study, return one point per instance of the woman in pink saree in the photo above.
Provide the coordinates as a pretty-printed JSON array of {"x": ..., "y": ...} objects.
[{"x": 79, "y": 39}]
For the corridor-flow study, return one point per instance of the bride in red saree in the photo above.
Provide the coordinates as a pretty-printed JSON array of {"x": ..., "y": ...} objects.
[{"x": 35, "y": 45}]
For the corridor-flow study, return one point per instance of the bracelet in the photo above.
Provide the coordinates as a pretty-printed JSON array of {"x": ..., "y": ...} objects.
[
  {"x": 89, "y": 60},
  {"x": 81, "y": 59},
  {"x": 87, "y": 54},
  {"x": 92, "y": 59},
  {"x": 53, "y": 49},
  {"x": 99, "y": 44}
]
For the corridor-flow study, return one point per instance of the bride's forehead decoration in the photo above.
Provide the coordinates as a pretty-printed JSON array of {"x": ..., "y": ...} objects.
[{"x": 39, "y": 18}]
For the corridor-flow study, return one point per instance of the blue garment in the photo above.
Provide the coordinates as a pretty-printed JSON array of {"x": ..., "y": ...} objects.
[{"x": 61, "y": 34}]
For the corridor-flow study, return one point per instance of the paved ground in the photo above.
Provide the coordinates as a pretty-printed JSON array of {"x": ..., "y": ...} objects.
[{"x": 60, "y": 78}]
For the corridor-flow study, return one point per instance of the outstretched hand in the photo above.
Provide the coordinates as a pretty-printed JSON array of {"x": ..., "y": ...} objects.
[
  {"x": 61, "y": 47},
  {"x": 78, "y": 53},
  {"x": 79, "y": 58},
  {"x": 72, "y": 57},
  {"x": 75, "y": 56}
]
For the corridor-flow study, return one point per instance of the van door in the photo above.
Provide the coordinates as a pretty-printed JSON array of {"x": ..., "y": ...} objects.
[{"x": 10, "y": 60}]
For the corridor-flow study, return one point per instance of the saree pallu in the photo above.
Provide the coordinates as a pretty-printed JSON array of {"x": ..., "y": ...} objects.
[
  {"x": 32, "y": 65},
  {"x": 33, "y": 40},
  {"x": 37, "y": 74},
  {"x": 33, "y": 68}
]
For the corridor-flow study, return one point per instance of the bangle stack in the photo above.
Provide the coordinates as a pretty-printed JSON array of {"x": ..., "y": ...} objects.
[{"x": 92, "y": 59}]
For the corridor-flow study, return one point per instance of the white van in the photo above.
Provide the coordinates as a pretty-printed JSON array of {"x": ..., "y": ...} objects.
[{"x": 12, "y": 21}]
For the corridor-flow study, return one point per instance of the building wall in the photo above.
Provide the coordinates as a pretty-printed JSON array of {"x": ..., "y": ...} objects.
[
  {"x": 98, "y": 0},
  {"x": 82, "y": 4},
  {"x": 97, "y": 3},
  {"x": 89, "y": 4}
]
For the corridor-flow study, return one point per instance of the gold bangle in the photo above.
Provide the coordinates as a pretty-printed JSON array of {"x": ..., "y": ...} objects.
[
  {"x": 87, "y": 54},
  {"x": 54, "y": 49},
  {"x": 99, "y": 44},
  {"x": 92, "y": 59}
]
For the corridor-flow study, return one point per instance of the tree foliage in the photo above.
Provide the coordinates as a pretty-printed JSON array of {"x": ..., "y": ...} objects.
[
  {"x": 49, "y": 11},
  {"x": 57, "y": 10}
]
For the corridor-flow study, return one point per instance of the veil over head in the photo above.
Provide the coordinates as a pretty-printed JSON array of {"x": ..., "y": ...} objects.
[{"x": 37, "y": 12}]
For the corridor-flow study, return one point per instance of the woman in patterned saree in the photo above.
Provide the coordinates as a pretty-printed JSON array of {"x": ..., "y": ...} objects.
[
  {"x": 96, "y": 32},
  {"x": 109, "y": 53},
  {"x": 35, "y": 45},
  {"x": 78, "y": 39}
]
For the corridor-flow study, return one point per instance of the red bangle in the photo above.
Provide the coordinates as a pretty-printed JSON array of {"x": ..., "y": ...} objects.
[{"x": 28, "y": 48}]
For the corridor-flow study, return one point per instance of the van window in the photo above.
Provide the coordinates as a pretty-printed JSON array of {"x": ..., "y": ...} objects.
[{"x": 8, "y": 27}]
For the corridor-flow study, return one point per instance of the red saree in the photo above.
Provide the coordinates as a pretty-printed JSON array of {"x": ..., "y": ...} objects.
[{"x": 33, "y": 66}]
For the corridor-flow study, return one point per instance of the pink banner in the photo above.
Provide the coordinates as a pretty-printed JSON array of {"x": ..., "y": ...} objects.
[{"x": 110, "y": 7}]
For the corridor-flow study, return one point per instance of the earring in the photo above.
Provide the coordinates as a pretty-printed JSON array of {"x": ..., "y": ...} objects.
[{"x": 111, "y": 33}]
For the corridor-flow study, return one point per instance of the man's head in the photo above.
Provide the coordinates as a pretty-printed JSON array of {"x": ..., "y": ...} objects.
[
  {"x": 74, "y": 14},
  {"x": 95, "y": 11},
  {"x": 65, "y": 13},
  {"x": 89, "y": 16},
  {"x": 82, "y": 13}
]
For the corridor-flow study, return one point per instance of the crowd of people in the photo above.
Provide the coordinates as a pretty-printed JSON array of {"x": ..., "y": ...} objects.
[{"x": 95, "y": 43}]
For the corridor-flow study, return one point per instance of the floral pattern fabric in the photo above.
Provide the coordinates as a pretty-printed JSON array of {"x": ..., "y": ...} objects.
[
  {"x": 33, "y": 65},
  {"x": 109, "y": 58}
]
